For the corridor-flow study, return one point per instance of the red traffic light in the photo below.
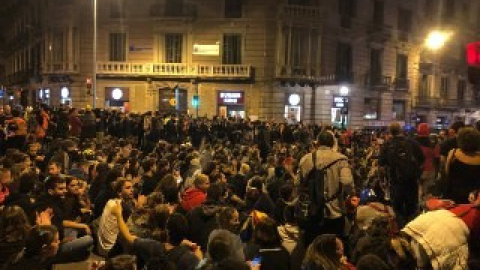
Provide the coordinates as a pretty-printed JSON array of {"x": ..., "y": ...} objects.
[{"x": 473, "y": 54}]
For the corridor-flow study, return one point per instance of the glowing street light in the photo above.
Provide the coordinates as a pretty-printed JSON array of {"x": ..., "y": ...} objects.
[{"x": 437, "y": 39}]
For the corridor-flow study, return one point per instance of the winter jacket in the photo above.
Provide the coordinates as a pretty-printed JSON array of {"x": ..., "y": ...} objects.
[
  {"x": 339, "y": 177},
  {"x": 202, "y": 221},
  {"x": 192, "y": 198}
]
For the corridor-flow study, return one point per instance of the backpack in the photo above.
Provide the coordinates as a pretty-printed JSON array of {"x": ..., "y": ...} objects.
[
  {"x": 311, "y": 200},
  {"x": 402, "y": 163}
]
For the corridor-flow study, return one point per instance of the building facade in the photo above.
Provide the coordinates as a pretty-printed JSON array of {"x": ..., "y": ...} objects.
[{"x": 357, "y": 63}]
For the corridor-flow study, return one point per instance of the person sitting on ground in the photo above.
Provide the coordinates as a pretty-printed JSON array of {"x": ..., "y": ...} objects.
[{"x": 197, "y": 194}]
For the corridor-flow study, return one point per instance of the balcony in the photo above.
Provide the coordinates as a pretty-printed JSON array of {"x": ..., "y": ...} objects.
[
  {"x": 379, "y": 33},
  {"x": 300, "y": 12},
  {"x": 60, "y": 68},
  {"x": 435, "y": 102},
  {"x": 298, "y": 72},
  {"x": 401, "y": 84},
  {"x": 180, "y": 70},
  {"x": 378, "y": 82}
]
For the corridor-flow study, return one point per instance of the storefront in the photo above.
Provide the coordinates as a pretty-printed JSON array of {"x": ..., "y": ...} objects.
[
  {"x": 231, "y": 104},
  {"x": 293, "y": 107},
  {"x": 117, "y": 98},
  {"x": 339, "y": 112},
  {"x": 173, "y": 100},
  {"x": 65, "y": 96},
  {"x": 43, "y": 96}
]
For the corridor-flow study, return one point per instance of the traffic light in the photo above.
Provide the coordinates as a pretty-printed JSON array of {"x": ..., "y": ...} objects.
[{"x": 195, "y": 101}]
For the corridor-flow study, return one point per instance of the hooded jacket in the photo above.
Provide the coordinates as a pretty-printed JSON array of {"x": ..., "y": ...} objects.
[
  {"x": 202, "y": 221},
  {"x": 192, "y": 198}
]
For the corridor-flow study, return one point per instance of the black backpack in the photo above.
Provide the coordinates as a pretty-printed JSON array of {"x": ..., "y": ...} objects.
[
  {"x": 401, "y": 161},
  {"x": 311, "y": 202}
]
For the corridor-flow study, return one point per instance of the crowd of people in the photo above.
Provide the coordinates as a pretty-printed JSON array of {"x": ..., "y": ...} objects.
[{"x": 168, "y": 191}]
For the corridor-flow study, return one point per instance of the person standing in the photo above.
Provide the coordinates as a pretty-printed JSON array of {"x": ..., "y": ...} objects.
[
  {"x": 403, "y": 159},
  {"x": 338, "y": 183}
]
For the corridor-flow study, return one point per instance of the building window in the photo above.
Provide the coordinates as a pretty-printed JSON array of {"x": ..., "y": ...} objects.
[
  {"x": 404, "y": 23},
  {"x": 461, "y": 88},
  {"x": 430, "y": 9},
  {"x": 402, "y": 66},
  {"x": 299, "y": 54},
  {"x": 398, "y": 110},
  {"x": 444, "y": 85},
  {"x": 448, "y": 10},
  {"x": 174, "y": 8},
  {"x": 298, "y": 2},
  {"x": 347, "y": 11},
  {"x": 57, "y": 46},
  {"x": 173, "y": 48},
  {"x": 117, "y": 9},
  {"x": 372, "y": 109},
  {"x": 232, "y": 49},
  {"x": 344, "y": 68},
  {"x": 233, "y": 8},
  {"x": 376, "y": 66},
  {"x": 378, "y": 12},
  {"x": 118, "y": 47},
  {"x": 424, "y": 86}
]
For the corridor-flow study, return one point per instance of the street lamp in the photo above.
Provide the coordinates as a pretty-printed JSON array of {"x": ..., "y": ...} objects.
[{"x": 437, "y": 39}]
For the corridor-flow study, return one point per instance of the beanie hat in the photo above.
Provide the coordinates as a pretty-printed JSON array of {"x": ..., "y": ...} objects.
[{"x": 423, "y": 130}]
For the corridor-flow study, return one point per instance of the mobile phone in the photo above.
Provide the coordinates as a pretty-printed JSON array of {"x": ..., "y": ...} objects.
[{"x": 256, "y": 261}]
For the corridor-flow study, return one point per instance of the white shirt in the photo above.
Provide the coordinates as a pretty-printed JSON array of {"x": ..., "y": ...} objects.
[{"x": 108, "y": 228}]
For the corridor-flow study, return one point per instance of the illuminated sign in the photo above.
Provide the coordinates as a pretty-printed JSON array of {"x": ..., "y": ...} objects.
[
  {"x": 230, "y": 98},
  {"x": 294, "y": 99},
  {"x": 340, "y": 102},
  {"x": 117, "y": 93},
  {"x": 64, "y": 92}
]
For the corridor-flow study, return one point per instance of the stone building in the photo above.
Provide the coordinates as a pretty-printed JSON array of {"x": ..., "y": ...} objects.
[{"x": 269, "y": 59}]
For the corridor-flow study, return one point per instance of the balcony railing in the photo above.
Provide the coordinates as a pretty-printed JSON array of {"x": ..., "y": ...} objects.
[
  {"x": 378, "y": 82},
  {"x": 298, "y": 11},
  {"x": 402, "y": 84},
  {"x": 174, "y": 70},
  {"x": 60, "y": 68},
  {"x": 303, "y": 72}
]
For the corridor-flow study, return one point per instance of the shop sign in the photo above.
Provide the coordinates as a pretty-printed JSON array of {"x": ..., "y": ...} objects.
[
  {"x": 230, "y": 98},
  {"x": 340, "y": 102}
]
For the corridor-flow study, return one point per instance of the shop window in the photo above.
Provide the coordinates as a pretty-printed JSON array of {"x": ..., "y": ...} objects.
[
  {"x": 173, "y": 48},
  {"x": 372, "y": 109},
  {"x": 232, "y": 49},
  {"x": 118, "y": 47},
  {"x": 233, "y": 8},
  {"x": 398, "y": 110}
]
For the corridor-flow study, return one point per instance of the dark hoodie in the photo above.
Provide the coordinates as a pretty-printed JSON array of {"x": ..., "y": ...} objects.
[{"x": 202, "y": 221}]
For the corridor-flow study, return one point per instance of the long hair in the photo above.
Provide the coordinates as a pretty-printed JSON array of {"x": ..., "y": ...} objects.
[
  {"x": 321, "y": 254},
  {"x": 14, "y": 225}
]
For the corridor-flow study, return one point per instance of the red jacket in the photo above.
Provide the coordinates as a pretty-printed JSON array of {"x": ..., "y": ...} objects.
[{"x": 192, "y": 198}]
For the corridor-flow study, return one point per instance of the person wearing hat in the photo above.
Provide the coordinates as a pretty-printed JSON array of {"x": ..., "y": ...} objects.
[{"x": 431, "y": 153}]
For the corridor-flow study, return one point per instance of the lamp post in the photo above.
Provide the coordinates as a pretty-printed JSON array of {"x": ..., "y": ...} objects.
[
  {"x": 344, "y": 90},
  {"x": 94, "y": 77}
]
